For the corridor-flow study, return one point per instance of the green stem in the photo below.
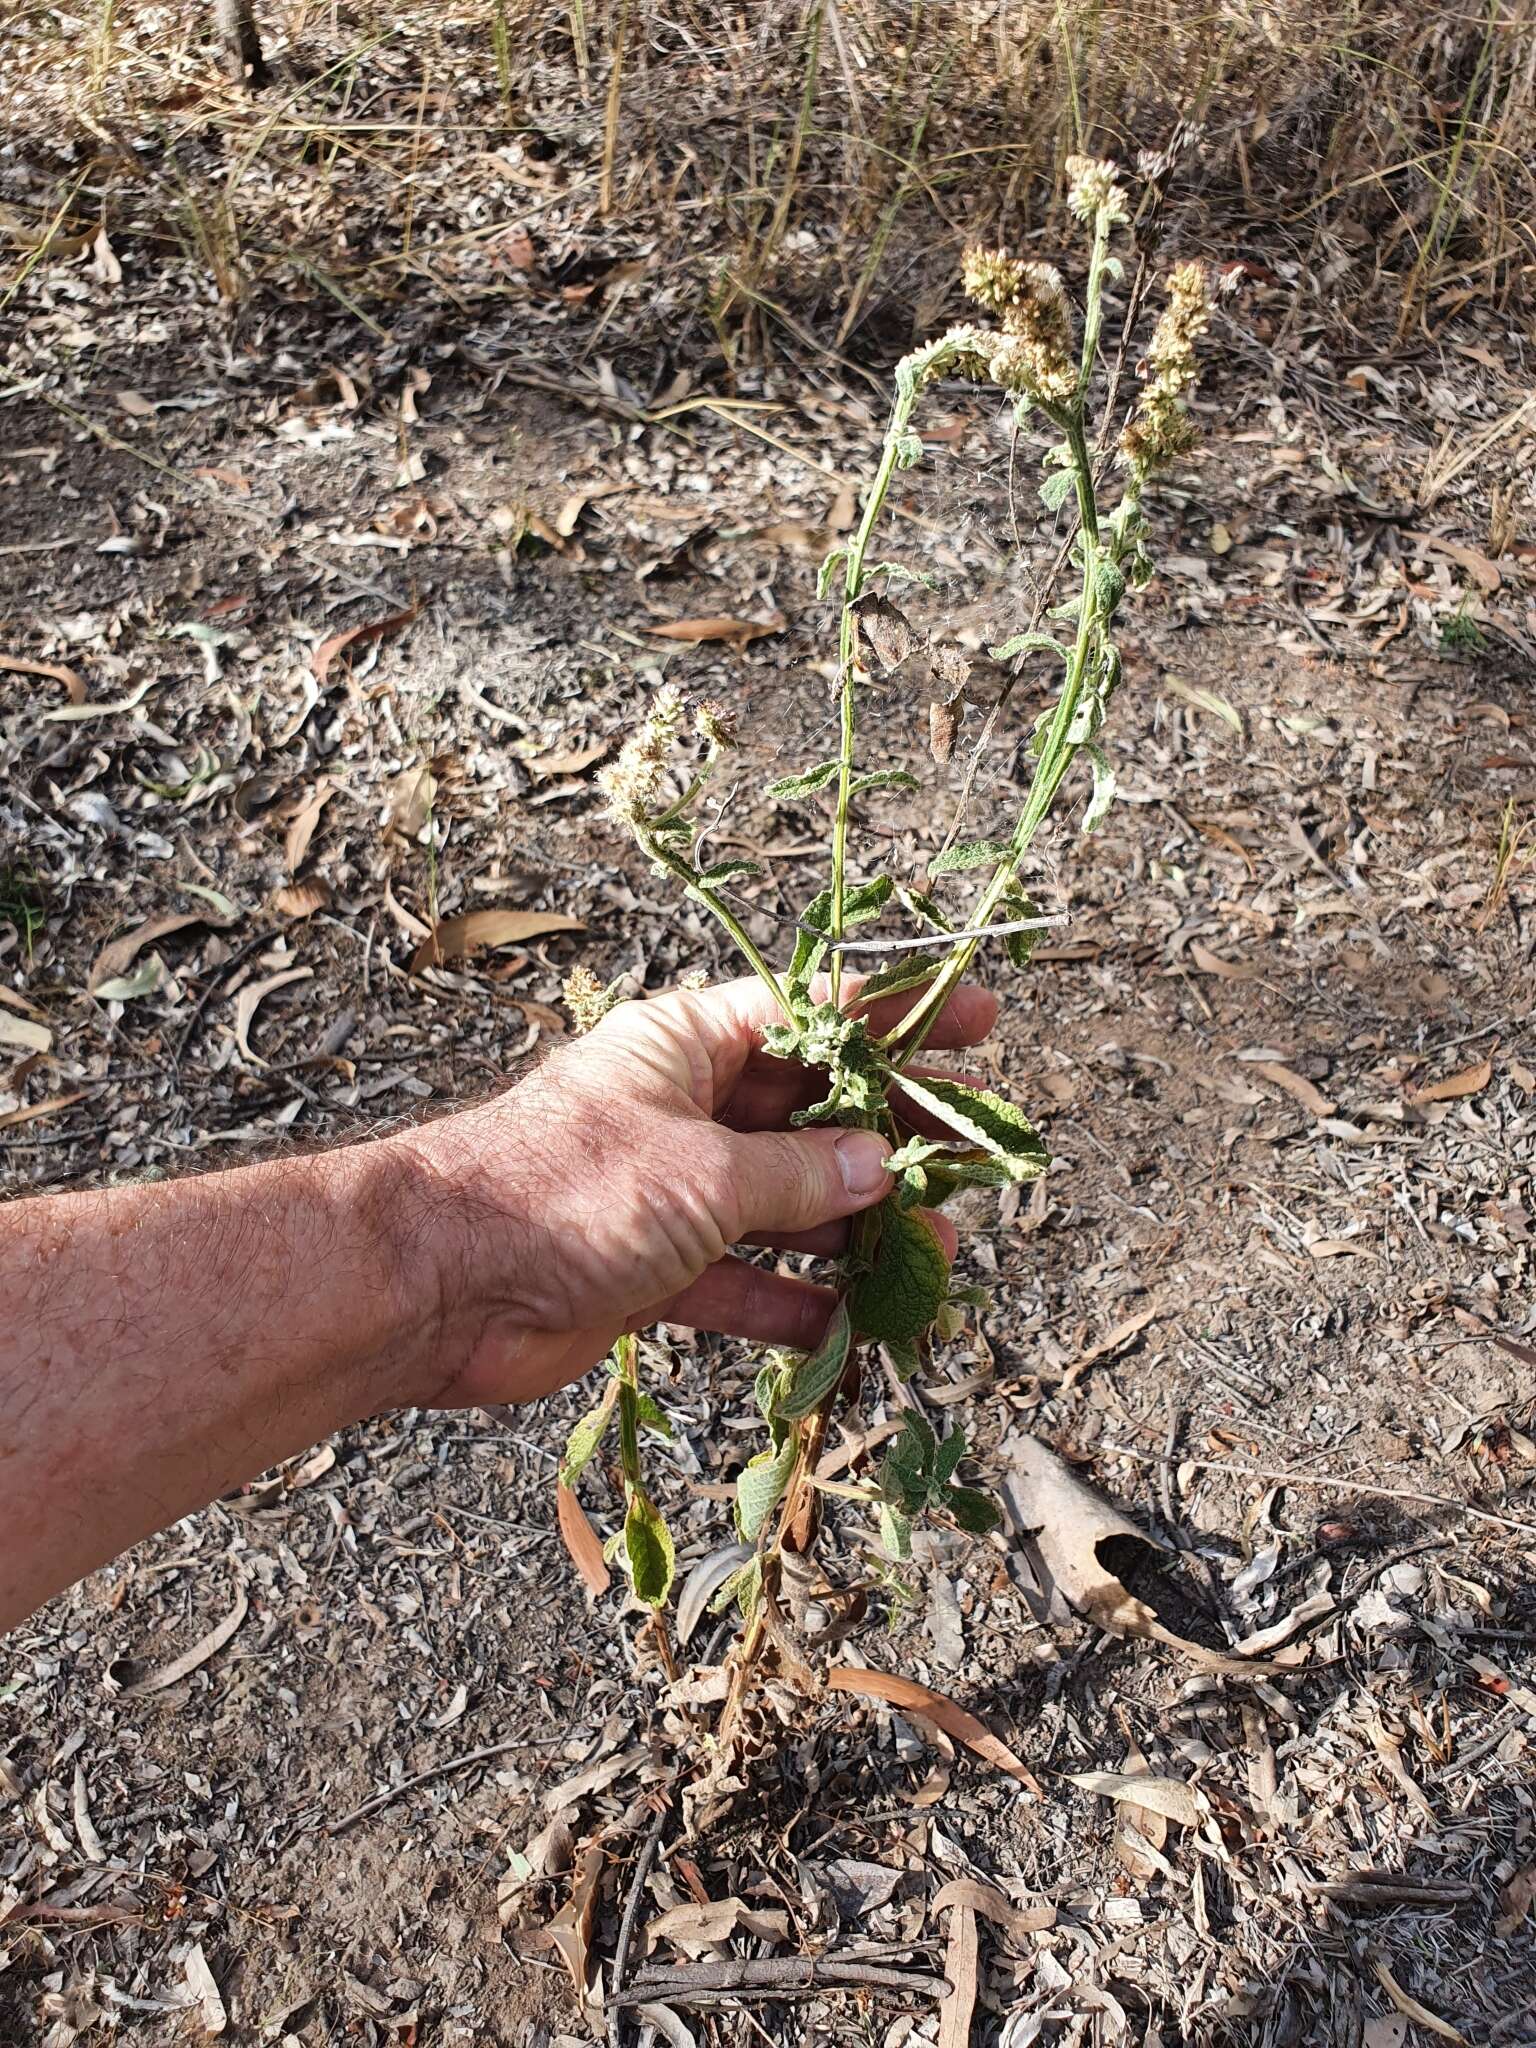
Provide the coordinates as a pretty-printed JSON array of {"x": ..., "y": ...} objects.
[
  {"x": 847, "y": 662},
  {"x": 701, "y": 893}
]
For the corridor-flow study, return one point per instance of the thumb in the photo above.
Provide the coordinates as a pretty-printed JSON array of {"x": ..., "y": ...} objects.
[{"x": 792, "y": 1180}]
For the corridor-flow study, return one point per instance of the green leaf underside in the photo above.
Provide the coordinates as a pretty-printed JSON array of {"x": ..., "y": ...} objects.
[
  {"x": 884, "y": 778},
  {"x": 581, "y": 1445},
  {"x": 1030, "y": 643},
  {"x": 996, "y": 1126},
  {"x": 759, "y": 1487},
  {"x": 978, "y": 853},
  {"x": 820, "y": 1373},
  {"x": 729, "y": 871},
  {"x": 895, "y": 1533},
  {"x": 899, "y": 1297},
  {"x": 910, "y": 971},
  {"x": 648, "y": 1546},
  {"x": 744, "y": 1586},
  {"x": 806, "y": 784}
]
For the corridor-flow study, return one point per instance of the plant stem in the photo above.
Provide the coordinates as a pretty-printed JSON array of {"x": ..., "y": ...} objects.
[
  {"x": 701, "y": 893},
  {"x": 847, "y": 663}
]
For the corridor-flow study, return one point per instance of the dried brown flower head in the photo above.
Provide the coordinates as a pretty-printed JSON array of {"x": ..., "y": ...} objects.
[
  {"x": 633, "y": 783},
  {"x": 1162, "y": 427},
  {"x": 1092, "y": 188}
]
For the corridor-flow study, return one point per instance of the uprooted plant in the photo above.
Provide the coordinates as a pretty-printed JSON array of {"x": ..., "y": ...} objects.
[{"x": 895, "y": 1288}]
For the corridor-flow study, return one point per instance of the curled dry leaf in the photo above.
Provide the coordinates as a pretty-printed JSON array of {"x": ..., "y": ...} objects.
[
  {"x": 1017, "y": 1921},
  {"x": 301, "y": 826},
  {"x": 1470, "y": 1081},
  {"x": 570, "y": 1932},
  {"x": 737, "y": 633},
  {"x": 455, "y": 937},
  {"x": 1169, "y": 1797},
  {"x": 702, "y": 1584},
  {"x": 301, "y": 899},
  {"x": 581, "y": 1540},
  {"x": 189, "y": 1660},
  {"x": 697, "y": 1926},
  {"x": 73, "y": 682},
  {"x": 119, "y": 954},
  {"x": 253, "y": 996},
  {"x": 954, "y": 1719},
  {"x": 1297, "y": 1086},
  {"x": 324, "y": 656},
  {"x": 205, "y": 1991},
  {"x": 566, "y": 761},
  {"x": 1069, "y": 1531}
]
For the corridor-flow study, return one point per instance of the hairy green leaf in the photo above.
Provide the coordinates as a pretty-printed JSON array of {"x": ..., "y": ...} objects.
[
  {"x": 884, "y": 778},
  {"x": 1104, "y": 786},
  {"x": 899, "y": 1296},
  {"x": 984, "y": 1118},
  {"x": 1056, "y": 489},
  {"x": 975, "y": 1170},
  {"x": 830, "y": 565},
  {"x": 652, "y": 1415},
  {"x": 898, "y": 572},
  {"x": 1030, "y": 643},
  {"x": 648, "y": 1546},
  {"x": 759, "y": 1487},
  {"x": 1018, "y": 945},
  {"x": 744, "y": 1586},
  {"x": 947, "y": 1457},
  {"x": 581, "y": 1445},
  {"x": 905, "y": 1359},
  {"x": 806, "y": 784},
  {"x": 974, "y": 1511},
  {"x": 911, "y": 970},
  {"x": 820, "y": 1373},
  {"x": 729, "y": 871},
  {"x": 976, "y": 853},
  {"x": 895, "y": 1533},
  {"x": 923, "y": 908}
]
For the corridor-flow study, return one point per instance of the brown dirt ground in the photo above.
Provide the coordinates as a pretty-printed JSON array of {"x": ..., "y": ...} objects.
[{"x": 1263, "y": 1249}]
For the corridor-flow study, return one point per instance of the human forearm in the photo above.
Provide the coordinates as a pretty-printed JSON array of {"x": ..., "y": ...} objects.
[{"x": 162, "y": 1342}]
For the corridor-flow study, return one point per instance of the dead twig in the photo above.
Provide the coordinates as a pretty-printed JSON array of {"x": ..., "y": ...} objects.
[
  {"x": 637, "y": 1878},
  {"x": 770, "y": 1977}
]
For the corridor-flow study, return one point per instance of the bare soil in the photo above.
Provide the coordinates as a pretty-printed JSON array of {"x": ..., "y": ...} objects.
[{"x": 1282, "y": 1053}]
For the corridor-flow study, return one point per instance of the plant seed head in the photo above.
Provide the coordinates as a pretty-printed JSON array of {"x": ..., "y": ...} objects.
[
  {"x": 1162, "y": 427},
  {"x": 633, "y": 783},
  {"x": 713, "y": 722},
  {"x": 1092, "y": 188},
  {"x": 586, "y": 998}
]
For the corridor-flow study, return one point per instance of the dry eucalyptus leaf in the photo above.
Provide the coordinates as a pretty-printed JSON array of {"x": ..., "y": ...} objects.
[
  {"x": 148, "y": 976},
  {"x": 954, "y": 1719},
  {"x": 570, "y": 1932},
  {"x": 24, "y": 1033},
  {"x": 702, "y": 1584},
  {"x": 1470, "y": 1081},
  {"x": 457, "y": 937},
  {"x": 736, "y": 632},
  {"x": 189, "y": 1661},
  {"x": 73, "y": 682},
  {"x": 581, "y": 1540},
  {"x": 253, "y": 996},
  {"x": 958, "y": 2005},
  {"x": 324, "y": 656},
  {"x": 1068, "y": 1529},
  {"x": 696, "y": 1928},
  {"x": 119, "y": 954},
  {"x": 205, "y": 1991},
  {"x": 1153, "y": 1793}
]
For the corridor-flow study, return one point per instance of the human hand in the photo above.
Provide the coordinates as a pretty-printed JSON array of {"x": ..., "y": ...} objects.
[{"x": 601, "y": 1194}]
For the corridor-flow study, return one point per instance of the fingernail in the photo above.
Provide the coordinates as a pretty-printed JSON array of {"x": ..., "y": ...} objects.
[{"x": 861, "y": 1160}]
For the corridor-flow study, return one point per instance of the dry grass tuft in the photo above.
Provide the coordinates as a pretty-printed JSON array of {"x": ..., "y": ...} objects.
[{"x": 796, "y": 161}]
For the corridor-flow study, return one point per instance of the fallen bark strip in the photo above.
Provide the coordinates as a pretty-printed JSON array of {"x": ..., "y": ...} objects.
[{"x": 769, "y": 1977}]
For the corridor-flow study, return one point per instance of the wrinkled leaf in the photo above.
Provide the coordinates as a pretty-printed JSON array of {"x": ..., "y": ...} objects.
[
  {"x": 581, "y": 1445},
  {"x": 1170, "y": 1797},
  {"x": 807, "y": 784},
  {"x": 816, "y": 1377},
  {"x": 899, "y": 1297},
  {"x": 986, "y": 1119},
  {"x": 648, "y": 1546},
  {"x": 760, "y": 1486},
  {"x": 976, "y": 853}
]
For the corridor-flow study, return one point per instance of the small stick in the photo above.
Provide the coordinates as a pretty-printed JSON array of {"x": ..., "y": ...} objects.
[
  {"x": 1323, "y": 1480},
  {"x": 456, "y": 1763},
  {"x": 641, "y": 1871},
  {"x": 767, "y": 1976},
  {"x": 983, "y": 931}
]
